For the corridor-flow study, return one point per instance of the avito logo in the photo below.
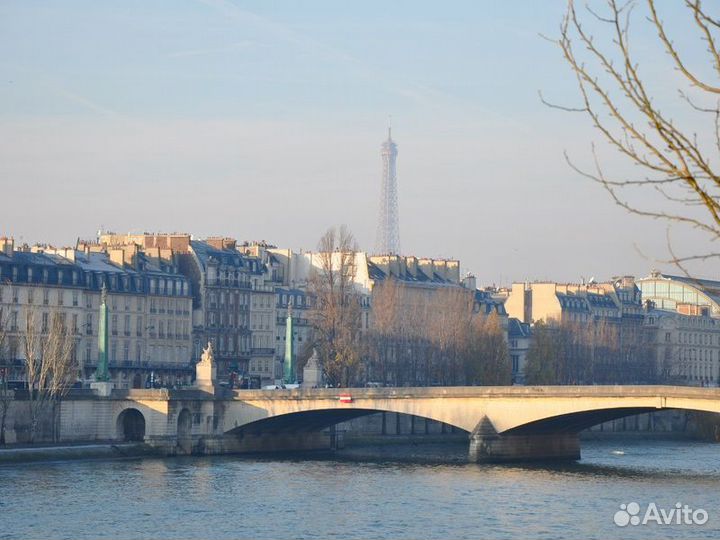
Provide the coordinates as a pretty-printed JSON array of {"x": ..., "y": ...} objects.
[{"x": 680, "y": 514}]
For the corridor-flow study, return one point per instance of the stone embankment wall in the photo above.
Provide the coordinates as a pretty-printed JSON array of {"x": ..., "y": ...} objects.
[
  {"x": 17, "y": 424},
  {"x": 689, "y": 424}
]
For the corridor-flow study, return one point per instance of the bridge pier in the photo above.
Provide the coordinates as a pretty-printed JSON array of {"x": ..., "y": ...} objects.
[{"x": 489, "y": 446}]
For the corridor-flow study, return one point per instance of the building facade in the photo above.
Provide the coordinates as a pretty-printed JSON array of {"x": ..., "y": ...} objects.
[
  {"x": 519, "y": 339},
  {"x": 688, "y": 347},
  {"x": 686, "y": 313},
  {"x": 149, "y": 306}
]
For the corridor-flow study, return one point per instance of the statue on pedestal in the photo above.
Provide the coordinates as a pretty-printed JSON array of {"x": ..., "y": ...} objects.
[
  {"x": 205, "y": 369},
  {"x": 207, "y": 355}
]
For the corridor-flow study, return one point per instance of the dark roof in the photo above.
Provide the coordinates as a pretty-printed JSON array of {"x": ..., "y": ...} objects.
[
  {"x": 572, "y": 301},
  {"x": 205, "y": 252},
  {"x": 376, "y": 273},
  {"x": 518, "y": 329},
  {"x": 90, "y": 270},
  {"x": 601, "y": 300},
  {"x": 488, "y": 304}
]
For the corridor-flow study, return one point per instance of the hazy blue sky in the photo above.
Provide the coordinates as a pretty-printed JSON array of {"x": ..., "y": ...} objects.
[{"x": 263, "y": 120}]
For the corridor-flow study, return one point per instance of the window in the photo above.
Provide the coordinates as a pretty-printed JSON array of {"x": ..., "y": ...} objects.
[
  {"x": 75, "y": 297},
  {"x": 44, "y": 322},
  {"x": 31, "y": 295},
  {"x": 88, "y": 324}
]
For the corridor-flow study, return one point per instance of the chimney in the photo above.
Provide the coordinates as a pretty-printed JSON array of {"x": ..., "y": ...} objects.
[
  {"x": 116, "y": 256},
  {"x": 453, "y": 271},
  {"x": 7, "y": 245},
  {"x": 221, "y": 243},
  {"x": 411, "y": 265},
  {"x": 469, "y": 282}
]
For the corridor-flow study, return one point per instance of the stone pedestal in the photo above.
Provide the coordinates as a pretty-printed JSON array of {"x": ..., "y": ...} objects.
[
  {"x": 102, "y": 389},
  {"x": 206, "y": 371},
  {"x": 488, "y": 446},
  {"x": 312, "y": 372}
]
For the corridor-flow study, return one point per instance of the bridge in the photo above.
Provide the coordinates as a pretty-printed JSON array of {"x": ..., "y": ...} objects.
[{"x": 503, "y": 423}]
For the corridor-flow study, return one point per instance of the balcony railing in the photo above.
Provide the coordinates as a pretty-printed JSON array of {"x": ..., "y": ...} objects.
[
  {"x": 262, "y": 351},
  {"x": 144, "y": 365}
]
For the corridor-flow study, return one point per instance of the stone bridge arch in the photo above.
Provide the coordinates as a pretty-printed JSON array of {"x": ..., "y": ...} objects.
[
  {"x": 512, "y": 422},
  {"x": 131, "y": 425}
]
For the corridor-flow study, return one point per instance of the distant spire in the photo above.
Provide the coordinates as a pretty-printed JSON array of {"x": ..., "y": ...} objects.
[{"x": 388, "y": 232}]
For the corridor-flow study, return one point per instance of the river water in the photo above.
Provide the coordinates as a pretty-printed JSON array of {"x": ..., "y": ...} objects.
[{"x": 429, "y": 493}]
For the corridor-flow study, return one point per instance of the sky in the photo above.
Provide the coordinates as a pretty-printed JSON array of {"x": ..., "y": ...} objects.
[{"x": 263, "y": 121}]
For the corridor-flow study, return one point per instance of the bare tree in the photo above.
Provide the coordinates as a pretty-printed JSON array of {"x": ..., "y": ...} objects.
[
  {"x": 382, "y": 339},
  {"x": 336, "y": 313},
  {"x": 630, "y": 112},
  {"x": 486, "y": 356},
  {"x": 50, "y": 365},
  {"x": 423, "y": 336},
  {"x": 595, "y": 352},
  {"x": 6, "y": 396}
]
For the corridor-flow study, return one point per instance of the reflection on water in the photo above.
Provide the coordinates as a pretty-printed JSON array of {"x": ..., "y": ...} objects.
[{"x": 356, "y": 496}]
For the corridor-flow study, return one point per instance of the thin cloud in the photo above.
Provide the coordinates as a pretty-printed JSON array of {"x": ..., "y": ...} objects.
[
  {"x": 420, "y": 94},
  {"x": 232, "y": 47}
]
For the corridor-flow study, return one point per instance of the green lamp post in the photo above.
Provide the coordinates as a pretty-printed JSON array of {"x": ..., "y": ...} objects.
[
  {"x": 289, "y": 364},
  {"x": 102, "y": 374}
]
